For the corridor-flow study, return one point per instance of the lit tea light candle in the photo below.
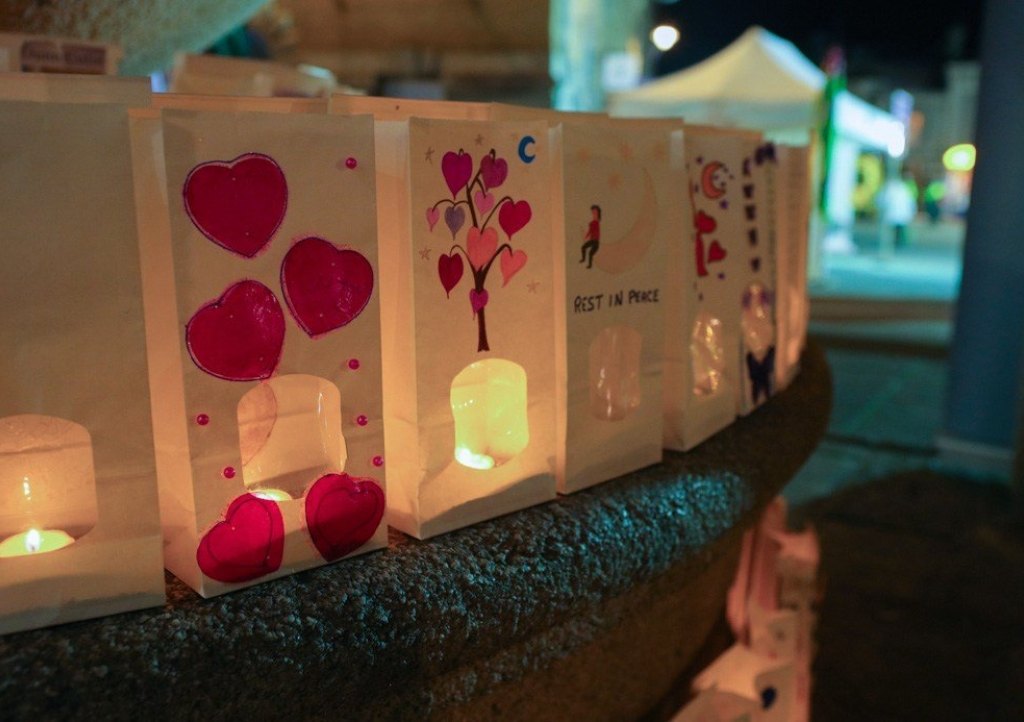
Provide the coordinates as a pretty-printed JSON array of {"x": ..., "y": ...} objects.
[
  {"x": 473, "y": 460},
  {"x": 271, "y": 494},
  {"x": 34, "y": 541}
]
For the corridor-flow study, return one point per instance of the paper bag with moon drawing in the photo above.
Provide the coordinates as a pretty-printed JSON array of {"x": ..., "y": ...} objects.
[
  {"x": 758, "y": 297},
  {"x": 262, "y": 305},
  {"x": 705, "y": 391},
  {"x": 789, "y": 179},
  {"x": 617, "y": 195},
  {"x": 622, "y": 184},
  {"x": 79, "y": 519}
]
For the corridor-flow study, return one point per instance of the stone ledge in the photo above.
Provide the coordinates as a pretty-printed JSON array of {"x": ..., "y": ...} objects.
[{"x": 587, "y": 607}]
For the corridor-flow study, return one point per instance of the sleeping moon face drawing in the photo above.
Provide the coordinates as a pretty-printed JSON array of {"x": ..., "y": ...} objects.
[{"x": 712, "y": 180}]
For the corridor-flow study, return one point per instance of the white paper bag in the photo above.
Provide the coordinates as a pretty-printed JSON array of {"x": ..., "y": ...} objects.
[
  {"x": 79, "y": 523},
  {"x": 262, "y": 303},
  {"x": 767, "y": 683}
]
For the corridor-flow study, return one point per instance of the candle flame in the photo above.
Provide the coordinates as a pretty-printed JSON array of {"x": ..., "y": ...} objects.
[
  {"x": 25, "y": 488},
  {"x": 33, "y": 540}
]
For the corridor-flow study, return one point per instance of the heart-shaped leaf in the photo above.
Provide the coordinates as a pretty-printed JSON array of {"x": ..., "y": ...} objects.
[
  {"x": 454, "y": 217},
  {"x": 511, "y": 262},
  {"x": 450, "y": 269},
  {"x": 493, "y": 171},
  {"x": 457, "y": 169},
  {"x": 481, "y": 245},
  {"x": 513, "y": 216}
]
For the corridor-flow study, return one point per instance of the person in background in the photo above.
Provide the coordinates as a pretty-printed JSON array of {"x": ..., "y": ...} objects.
[{"x": 899, "y": 206}]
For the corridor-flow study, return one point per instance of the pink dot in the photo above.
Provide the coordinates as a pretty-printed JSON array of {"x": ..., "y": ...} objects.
[
  {"x": 362, "y": 420},
  {"x": 229, "y": 472},
  {"x": 202, "y": 419},
  {"x": 351, "y": 163},
  {"x": 378, "y": 461},
  {"x": 353, "y": 363}
]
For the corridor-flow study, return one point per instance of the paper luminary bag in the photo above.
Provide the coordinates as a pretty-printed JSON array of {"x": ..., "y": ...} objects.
[
  {"x": 765, "y": 682},
  {"x": 79, "y": 521},
  {"x": 789, "y": 180},
  {"x": 467, "y": 290},
  {"x": 617, "y": 191},
  {"x": 261, "y": 291},
  {"x": 714, "y": 705},
  {"x": 703, "y": 389}
]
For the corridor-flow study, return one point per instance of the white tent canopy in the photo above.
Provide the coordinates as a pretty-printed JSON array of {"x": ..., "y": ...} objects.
[{"x": 759, "y": 81}]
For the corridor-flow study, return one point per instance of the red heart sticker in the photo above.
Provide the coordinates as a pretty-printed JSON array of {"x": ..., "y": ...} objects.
[
  {"x": 248, "y": 544},
  {"x": 237, "y": 204},
  {"x": 343, "y": 513},
  {"x": 239, "y": 336},
  {"x": 325, "y": 287}
]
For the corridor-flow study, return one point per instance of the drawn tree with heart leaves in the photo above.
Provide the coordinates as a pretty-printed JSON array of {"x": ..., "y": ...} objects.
[{"x": 475, "y": 193}]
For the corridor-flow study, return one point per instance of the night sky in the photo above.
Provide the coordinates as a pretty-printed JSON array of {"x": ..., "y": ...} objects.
[{"x": 905, "y": 39}]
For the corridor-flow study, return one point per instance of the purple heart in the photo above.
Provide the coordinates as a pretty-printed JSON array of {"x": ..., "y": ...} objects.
[
  {"x": 493, "y": 171},
  {"x": 454, "y": 217},
  {"x": 477, "y": 299}
]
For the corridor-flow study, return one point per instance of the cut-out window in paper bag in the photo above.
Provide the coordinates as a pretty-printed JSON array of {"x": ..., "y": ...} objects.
[
  {"x": 789, "y": 180},
  {"x": 616, "y": 192},
  {"x": 714, "y": 705},
  {"x": 703, "y": 395},
  {"x": 767, "y": 683},
  {"x": 79, "y": 525},
  {"x": 262, "y": 307},
  {"x": 467, "y": 288}
]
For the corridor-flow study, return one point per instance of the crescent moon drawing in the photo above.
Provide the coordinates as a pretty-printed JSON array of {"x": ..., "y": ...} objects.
[
  {"x": 707, "y": 181},
  {"x": 525, "y": 143},
  {"x": 621, "y": 255}
]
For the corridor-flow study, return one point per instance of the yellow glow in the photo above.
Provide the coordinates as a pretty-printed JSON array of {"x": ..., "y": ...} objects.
[
  {"x": 960, "y": 157},
  {"x": 34, "y": 541},
  {"x": 271, "y": 494},
  {"x": 664, "y": 37},
  {"x": 466, "y": 457},
  {"x": 707, "y": 355},
  {"x": 489, "y": 407}
]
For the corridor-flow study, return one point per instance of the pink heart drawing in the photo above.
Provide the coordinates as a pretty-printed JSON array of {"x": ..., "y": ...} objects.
[
  {"x": 716, "y": 252},
  {"x": 477, "y": 299},
  {"x": 481, "y": 246},
  {"x": 454, "y": 217},
  {"x": 239, "y": 336},
  {"x": 449, "y": 268},
  {"x": 237, "y": 204},
  {"x": 512, "y": 216},
  {"x": 511, "y": 262},
  {"x": 457, "y": 169},
  {"x": 433, "y": 216},
  {"x": 343, "y": 513},
  {"x": 484, "y": 201},
  {"x": 325, "y": 287},
  {"x": 248, "y": 544},
  {"x": 493, "y": 171}
]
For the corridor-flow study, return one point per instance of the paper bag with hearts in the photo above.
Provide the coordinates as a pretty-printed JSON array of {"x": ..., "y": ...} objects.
[
  {"x": 703, "y": 382},
  {"x": 618, "y": 199},
  {"x": 262, "y": 285},
  {"x": 79, "y": 522},
  {"x": 467, "y": 289}
]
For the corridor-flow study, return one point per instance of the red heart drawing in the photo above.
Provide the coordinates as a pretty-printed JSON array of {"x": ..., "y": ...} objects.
[
  {"x": 342, "y": 513},
  {"x": 511, "y": 262},
  {"x": 239, "y": 336},
  {"x": 325, "y": 287},
  {"x": 457, "y": 169},
  {"x": 481, "y": 246},
  {"x": 449, "y": 268},
  {"x": 478, "y": 299},
  {"x": 237, "y": 204},
  {"x": 493, "y": 171},
  {"x": 716, "y": 252},
  {"x": 512, "y": 216},
  {"x": 248, "y": 544}
]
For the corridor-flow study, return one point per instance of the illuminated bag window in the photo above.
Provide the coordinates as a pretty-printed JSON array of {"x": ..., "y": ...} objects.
[
  {"x": 706, "y": 354},
  {"x": 47, "y": 484},
  {"x": 289, "y": 430},
  {"x": 489, "y": 406},
  {"x": 615, "y": 373}
]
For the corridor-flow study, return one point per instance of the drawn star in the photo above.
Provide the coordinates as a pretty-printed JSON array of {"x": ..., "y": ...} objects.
[
  {"x": 583, "y": 155},
  {"x": 425, "y": 254},
  {"x": 479, "y": 140},
  {"x": 429, "y": 155},
  {"x": 514, "y": 137},
  {"x": 614, "y": 180},
  {"x": 626, "y": 151},
  {"x": 532, "y": 286}
]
